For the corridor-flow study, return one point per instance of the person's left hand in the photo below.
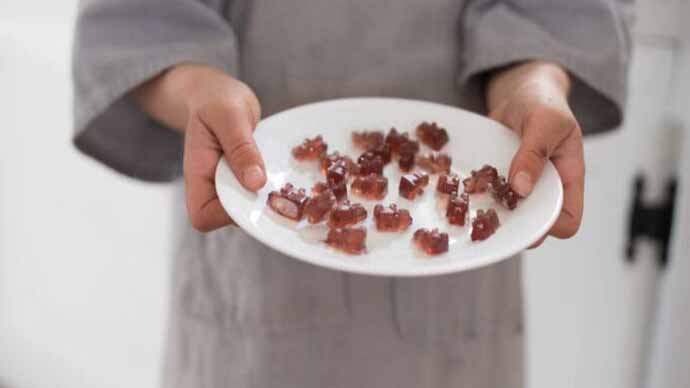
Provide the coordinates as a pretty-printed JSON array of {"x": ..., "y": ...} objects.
[{"x": 532, "y": 99}]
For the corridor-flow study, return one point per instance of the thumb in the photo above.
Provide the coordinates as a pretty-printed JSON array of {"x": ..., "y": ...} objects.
[
  {"x": 526, "y": 168},
  {"x": 233, "y": 126},
  {"x": 542, "y": 133}
]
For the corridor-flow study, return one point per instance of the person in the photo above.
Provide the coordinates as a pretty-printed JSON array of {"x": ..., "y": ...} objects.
[{"x": 165, "y": 88}]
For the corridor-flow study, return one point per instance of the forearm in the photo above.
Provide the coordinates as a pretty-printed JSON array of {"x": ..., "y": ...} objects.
[{"x": 538, "y": 75}]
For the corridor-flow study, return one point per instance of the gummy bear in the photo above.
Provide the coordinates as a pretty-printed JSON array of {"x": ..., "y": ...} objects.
[
  {"x": 367, "y": 139},
  {"x": 395, "y": 139},
  {"x": 349, "y": 239},
  {"x": 391, "y": 219},
  {"x": 412, "y": 185},
  {"x": 288, "y": 202},
  {"x": 335, "y": 158},
  {"x": 383, "y": 150},
  {"x": 369, "y": 163},
  {"x": 503, "y": 193},
  {"x": 484, "y": 224},
  {"x": 432, "y": 135},
  {"x": 408, "y": 147},
  {"x": 319, "y": 187},
  {"x": 432, "y": 242},
  {"x": 448, "y": 184},
  {"x": 406, "y": 162},
  {"x": 345, "y": 214},
  {"x": 371, "y": 186},
  {"x": 340, "y": 191},
  {"x": 478, "y": 181},
  {"x": 336, "y": 174},
  {"x": 435, "y": 162},
  {"x": 310, "y": 149},
  {"x": 457, "y": 208},
  {"x": 319, "y": 204}
]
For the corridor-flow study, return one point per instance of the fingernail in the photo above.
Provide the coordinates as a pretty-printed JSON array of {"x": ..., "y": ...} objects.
[
  {"x": 522, "y": 184},
  {"x": 253, "y": 177}
]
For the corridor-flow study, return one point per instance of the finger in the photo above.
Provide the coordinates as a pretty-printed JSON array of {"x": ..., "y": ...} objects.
[
  {"x": 538, "y": 242},
  {"x": 571, "y": 167},
  {"x": 233, "y": 124},
  {"x": 201, "y": 155},
  {"x": 542, "y": 133}
]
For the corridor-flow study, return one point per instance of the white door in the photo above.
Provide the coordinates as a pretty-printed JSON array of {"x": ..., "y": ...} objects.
[
  {"x": 669, "y": 365},
  {"x": 590, "y": 312}
]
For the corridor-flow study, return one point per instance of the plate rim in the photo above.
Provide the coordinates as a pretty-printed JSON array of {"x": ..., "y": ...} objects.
[{"x": 349, "y": 266}]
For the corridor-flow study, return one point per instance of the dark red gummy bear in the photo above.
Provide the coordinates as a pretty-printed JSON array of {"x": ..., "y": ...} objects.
[
  {"x": 484, "y": 224},
  {"x": 319, "y": 204},
  {"x": 350, "y": 239},
  {"x": 383, "y": 150},
  {"x": 395, "y": 139},
  {"x": 412, "y": 185},
  {"x": 288, "y": 202},
  {"x": 502, "y": 192},
  {"x": 401, "y": 144},
  {"x": 391, "y": 219},
  {"x": 369, "y": 163},
  {"x": 478, "y": 181},
  {"x": 367, "y": 139},
  {"x": 340, "y": 191},
  {"x": 408, "y": 150},
  {"x": 371, "y": 186},
  {"x": 406, "y": 162},
  {"x": 448, "y": 184},
  {"x": 310, "y": 149},
  {"x": 345, "y": 214},
  {"x": 435, "y": 162},
  {"x": 335, "y": 158},
  {"x": 408, "y": 147},
  {"x": 336, "y": 174},
  {"x": 432, "y": 135},
  {"x": 457, "y": 208},
  {"x": 432, "y": 242},
  {"x": 319, "y": 187}
]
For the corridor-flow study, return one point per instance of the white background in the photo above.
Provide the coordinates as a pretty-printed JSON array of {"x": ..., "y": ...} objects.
[{"x": 85, "y": 253}]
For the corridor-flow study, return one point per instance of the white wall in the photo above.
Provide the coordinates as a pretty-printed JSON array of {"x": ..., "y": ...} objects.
[{"x": 83, "y": 252}]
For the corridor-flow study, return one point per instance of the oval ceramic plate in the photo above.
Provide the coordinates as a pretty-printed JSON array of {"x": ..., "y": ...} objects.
[{"x": 474, "y": 141}]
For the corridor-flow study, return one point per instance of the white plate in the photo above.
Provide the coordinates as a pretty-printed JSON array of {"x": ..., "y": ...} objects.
[{"x": 474, "y": 141}]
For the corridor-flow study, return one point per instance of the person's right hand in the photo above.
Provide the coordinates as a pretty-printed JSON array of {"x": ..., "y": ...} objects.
[
  {"x": 223, "y": 113},
  {"x": 218, "y": 114}
]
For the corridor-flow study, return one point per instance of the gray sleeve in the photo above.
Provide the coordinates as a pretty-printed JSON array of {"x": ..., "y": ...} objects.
[
  {"x": 120, "y": 44},
  {"x": 588, "y": 37}
]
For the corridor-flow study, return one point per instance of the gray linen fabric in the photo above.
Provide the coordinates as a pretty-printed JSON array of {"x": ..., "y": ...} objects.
[{"x": 246, "y": 316}]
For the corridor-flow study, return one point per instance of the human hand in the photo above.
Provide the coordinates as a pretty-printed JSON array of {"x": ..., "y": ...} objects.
[
  {"x": 532, "y": 99},
  {"x": 218, "y": 115},
  {"x": 223, "y": 113}
]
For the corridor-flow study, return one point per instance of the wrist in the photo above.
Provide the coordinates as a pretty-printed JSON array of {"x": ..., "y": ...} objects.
[
  {"x": 201, "y": 85},
  {"x": 192, "y": 83},
  {"x": 543, "y": 76},
  {"x": 168, "y": 97}
]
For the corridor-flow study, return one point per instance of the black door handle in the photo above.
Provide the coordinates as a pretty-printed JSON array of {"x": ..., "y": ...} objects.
[{"x": 651, "y": 221}]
